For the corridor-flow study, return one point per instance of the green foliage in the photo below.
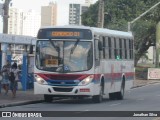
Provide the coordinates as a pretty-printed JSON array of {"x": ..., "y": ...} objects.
[{"x": 120, "y": 12}]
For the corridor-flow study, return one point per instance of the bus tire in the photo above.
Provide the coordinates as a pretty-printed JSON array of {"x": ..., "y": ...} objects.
[
  {"x": 48, "y": 98},
  {"x": 120, "y": 94},
  {"x": 98, "y": 98},
  {"x": 112, "y": 96}
]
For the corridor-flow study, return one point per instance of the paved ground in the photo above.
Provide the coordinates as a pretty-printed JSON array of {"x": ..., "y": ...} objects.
[{"x": 26, "y": 97}]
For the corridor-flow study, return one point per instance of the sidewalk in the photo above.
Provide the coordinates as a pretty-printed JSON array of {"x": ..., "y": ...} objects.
[{"x": 28, "y": 97}]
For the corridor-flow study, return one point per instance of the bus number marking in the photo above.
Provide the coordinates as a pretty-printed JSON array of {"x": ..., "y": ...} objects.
[{"x": 51, "y": 63}]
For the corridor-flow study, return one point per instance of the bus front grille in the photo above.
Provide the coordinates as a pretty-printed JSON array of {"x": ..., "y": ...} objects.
[{"x": 57, "y": 89}]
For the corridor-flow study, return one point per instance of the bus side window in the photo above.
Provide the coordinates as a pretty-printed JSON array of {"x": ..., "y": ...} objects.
[
  {"x": 127, "y": 42},
  {"x": 120, "y": 48},
  {"x": 131, "y": 48},
  {"x": 104, "y": 48},
  {"x": 115, "y": 49},
  {"x": 110, "y": 48},
  {"x": 125, "y": 49},
  {"x": 97, "y": 53}
]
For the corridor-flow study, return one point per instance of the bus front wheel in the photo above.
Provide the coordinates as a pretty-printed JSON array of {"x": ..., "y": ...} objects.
[
  {"x": 48, "y": 98},
  {"x": 98, "y": 98}
]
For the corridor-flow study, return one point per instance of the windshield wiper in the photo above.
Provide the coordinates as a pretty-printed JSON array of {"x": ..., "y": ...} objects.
[
  {"x": 75, "y": 45},
  {"x": 56, "y": 47}
]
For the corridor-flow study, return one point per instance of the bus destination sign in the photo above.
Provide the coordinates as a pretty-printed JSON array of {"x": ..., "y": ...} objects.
[{"x": 65, "y": 34}]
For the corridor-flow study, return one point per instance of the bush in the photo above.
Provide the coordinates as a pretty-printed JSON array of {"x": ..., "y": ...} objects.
[{"x": 141, "y": 73}]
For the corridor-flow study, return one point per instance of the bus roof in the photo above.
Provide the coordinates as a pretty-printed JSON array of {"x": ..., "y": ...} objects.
[{"x": 96, "y": 30}]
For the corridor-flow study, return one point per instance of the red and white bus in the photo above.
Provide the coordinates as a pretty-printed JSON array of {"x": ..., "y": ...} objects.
[{"x": 80, "y": 61}]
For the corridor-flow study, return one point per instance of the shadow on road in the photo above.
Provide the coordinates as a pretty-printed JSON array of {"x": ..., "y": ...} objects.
[{"x": 78, "y": 101}]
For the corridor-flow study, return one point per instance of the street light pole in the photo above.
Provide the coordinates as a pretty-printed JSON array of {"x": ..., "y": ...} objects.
[
  {"x": 157, "y": 47},
  {"x": 129, "y": 23}
]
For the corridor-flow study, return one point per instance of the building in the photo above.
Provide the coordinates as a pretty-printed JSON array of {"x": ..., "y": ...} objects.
[
  {"x": 23, "y": 22},
  {"x": 76, "y": 10},
  {"x": 31, "y": 23},
  {"x": 74, "y": 14},
  {"x": 15, "y": 21},
  {"x": 49, "y": 14}
]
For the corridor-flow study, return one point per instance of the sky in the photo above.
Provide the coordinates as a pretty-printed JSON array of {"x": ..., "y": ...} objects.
[{"x": 63, "y": 7}]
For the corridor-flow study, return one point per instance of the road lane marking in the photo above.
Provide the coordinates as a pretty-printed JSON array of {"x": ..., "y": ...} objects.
[
  {"x": 115, "y": 104},
  {"x": 140, "y": 99}
]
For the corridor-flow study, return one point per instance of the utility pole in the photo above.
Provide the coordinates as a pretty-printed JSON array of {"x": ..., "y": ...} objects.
[
  {"x": 101, "y": 14},
  {"x": 4, "y": 46},
  {"x": 6, "y": 16},
  {"x": 157, "y": 45}
]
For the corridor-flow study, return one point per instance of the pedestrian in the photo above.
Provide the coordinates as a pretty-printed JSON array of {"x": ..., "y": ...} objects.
[
  {"x": 14, "y": 79},
  {"x": 0, "y": 82},
  {"x": 5, "y": 73}
]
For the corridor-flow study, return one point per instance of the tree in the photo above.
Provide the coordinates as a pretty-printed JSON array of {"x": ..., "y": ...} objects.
[{"x": 120, "y": 12}]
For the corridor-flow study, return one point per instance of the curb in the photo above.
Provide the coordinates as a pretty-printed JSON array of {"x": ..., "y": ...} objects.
[
  {"x": 144, "y": 84},
  {"x": 21, "y": 103}
]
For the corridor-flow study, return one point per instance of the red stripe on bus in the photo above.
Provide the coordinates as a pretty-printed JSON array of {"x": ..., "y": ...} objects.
[{"x": 82, "y": 76}]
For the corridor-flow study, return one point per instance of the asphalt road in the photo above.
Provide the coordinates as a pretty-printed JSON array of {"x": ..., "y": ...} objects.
[{"x": 141, "y": 99}]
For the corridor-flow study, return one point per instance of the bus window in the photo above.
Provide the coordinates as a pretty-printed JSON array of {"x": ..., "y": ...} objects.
[
  {"x": 120, "y": 48},
  {"x": 131, "y": 49},
  {"x": 125, "y": 49},
  {"x": 128, "y": 49},
  {"x": 110, "y": 47},
  {"x": 97, "y": 53},
  {"x": 104, "y": 48},
  {"x": 59, "y": 56}
]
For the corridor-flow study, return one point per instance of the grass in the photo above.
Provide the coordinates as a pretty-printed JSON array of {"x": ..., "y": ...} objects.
[{"x": 141, "y": 70}]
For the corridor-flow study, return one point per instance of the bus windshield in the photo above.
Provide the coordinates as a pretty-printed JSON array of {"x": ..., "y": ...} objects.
[{"x": 64, "y": 56}]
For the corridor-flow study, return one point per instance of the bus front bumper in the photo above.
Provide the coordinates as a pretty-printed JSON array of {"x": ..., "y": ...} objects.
[{"x": 88, "y": 90}]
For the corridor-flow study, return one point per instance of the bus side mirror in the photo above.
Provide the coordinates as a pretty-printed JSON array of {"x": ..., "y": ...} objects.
[{"x": 100, "y": 47}]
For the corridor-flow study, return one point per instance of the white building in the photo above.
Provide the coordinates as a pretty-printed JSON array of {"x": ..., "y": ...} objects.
[
  {"x": 23, "y": 22},
  {"x": 31, "y": 23},
  {"x": 15, "y": 21}
]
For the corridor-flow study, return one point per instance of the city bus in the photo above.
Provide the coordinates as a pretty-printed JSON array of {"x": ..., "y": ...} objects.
[{"x": 81, "y": 61}]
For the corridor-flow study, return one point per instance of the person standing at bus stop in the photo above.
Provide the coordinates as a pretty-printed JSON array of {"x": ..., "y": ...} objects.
[
  {"x": 14, "y": 80},
  {"x": 0, "y": 83},
  {"x": 5, "y": 73}
]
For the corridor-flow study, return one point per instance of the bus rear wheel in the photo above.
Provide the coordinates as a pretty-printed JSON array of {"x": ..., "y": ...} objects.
[
  {"x": 120, "y": 94},
  {"x": 48, "y": 98},
  {"x": 98, "y": 98},
  {"x": 112, "y": 96}
]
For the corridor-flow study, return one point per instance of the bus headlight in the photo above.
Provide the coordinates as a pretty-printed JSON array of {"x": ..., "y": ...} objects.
[
  {"x": 87, "y": 80},
  {"x": 40, "y": 80}
]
